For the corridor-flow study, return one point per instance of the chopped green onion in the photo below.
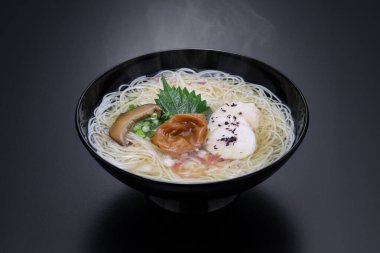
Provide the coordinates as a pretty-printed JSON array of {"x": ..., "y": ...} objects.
[
  {"x": 140, "y": 133},
  {"x": 139, "y": 125},
  {"x": 131, "y": 106},
  {"x": 145, "y": 128},
  {"x": 166, "y": 116},
  {"x": 150, "y": 134}
]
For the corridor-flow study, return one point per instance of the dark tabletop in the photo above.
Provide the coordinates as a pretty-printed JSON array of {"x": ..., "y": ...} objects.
[{"x": 54, "y": 197}]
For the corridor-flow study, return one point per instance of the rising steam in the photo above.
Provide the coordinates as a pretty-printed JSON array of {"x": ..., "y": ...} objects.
[{"x": 207, "y": 24}]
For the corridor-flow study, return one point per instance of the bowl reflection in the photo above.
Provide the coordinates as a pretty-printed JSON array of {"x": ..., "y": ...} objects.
[{"x": 253, "y": 223}]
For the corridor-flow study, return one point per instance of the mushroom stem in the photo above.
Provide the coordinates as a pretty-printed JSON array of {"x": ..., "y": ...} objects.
[{"x": 119, "y": 129}]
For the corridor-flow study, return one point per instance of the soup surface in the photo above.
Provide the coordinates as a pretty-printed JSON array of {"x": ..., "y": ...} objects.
[{"x": 188, "y": 126}]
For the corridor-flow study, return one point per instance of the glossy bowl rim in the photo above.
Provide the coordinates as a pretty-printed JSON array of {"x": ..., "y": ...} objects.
[{"x": 286, "y": 156}]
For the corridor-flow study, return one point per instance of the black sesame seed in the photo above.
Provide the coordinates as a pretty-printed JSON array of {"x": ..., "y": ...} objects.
[
  {"x": 229, "y": 140},
  {"x": 240, "y": 113},
  {"x": 233, "y": 104}
]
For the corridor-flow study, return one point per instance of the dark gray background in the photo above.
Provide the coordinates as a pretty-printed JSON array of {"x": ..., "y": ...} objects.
[{"x": 55, "y": 198}]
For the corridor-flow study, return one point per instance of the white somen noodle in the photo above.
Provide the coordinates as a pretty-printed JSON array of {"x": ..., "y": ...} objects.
[{"x": 275, "y": 134}]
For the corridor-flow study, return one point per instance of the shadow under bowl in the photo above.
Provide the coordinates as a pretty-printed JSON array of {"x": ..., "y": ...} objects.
[{"x": 193, "y": 196}]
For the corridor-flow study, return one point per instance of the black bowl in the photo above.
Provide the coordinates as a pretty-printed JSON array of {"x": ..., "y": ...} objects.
[{"x": 191, "y": 194}]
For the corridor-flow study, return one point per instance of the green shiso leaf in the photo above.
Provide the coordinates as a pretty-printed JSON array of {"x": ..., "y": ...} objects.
[{"x": 180, "y": 101}]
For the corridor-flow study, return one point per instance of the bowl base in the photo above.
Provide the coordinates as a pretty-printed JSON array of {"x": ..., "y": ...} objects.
[{"x": 192, "y": 206}]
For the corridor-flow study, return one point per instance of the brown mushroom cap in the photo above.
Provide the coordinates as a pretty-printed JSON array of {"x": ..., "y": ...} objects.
[{"x": 119, "y": 129}]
